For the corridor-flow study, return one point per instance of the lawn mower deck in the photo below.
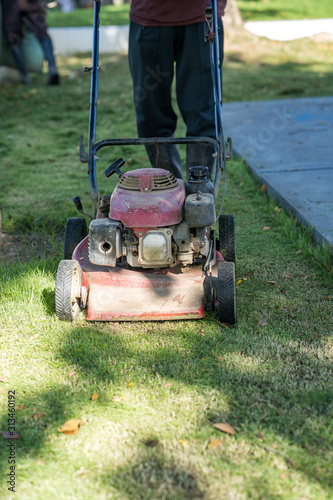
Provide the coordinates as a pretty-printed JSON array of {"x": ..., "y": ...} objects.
[{"x": 126, "y": 294}]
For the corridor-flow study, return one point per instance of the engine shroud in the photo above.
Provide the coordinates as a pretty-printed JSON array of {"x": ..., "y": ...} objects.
[{"x": 148, "y": 197}]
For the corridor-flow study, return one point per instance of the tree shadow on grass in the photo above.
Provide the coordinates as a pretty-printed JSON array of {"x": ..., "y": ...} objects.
[
  {"x": 292, "y": 402},
  {"x": 263, "y": 395},
  {"x": 152, "y": 474},
  {"x": 37, "y": 415}
]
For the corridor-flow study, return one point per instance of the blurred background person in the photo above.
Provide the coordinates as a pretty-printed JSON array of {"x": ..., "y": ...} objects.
[{"x": 32, "y": 14}]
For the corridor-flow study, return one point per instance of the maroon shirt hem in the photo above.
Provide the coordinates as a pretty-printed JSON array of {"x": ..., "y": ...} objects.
[{"x": 176, "y": 13}]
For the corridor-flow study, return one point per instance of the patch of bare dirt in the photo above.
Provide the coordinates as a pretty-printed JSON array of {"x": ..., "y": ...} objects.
[
  {"x": 16, "y": 247},
  {"x": 9, "y": 245}
]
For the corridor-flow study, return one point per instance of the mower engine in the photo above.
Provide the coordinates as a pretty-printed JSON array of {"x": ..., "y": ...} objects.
[{"x": 155, "y": 221}]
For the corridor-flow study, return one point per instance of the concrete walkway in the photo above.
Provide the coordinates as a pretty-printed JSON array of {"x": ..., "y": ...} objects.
[
  {"x": 115, "y": 38},
  {"x": 290, "y": 30},
  {"x": 72, "y": 40},
  {"x": 288, "y": 145}
]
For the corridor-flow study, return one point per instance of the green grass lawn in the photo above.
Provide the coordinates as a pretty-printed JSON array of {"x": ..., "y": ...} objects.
[
  {"x": 251, "y": 10},
  {"x": 109, "y": 15},
  {"x": 161, "y": 386},
  {"x": 260, "y": 10}
]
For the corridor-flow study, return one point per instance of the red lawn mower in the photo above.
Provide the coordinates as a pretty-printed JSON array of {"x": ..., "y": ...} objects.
[{"x": 151, "y": 252}]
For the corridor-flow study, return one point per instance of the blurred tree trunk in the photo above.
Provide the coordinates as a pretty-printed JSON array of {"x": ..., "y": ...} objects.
[{"x": 232, "y": 18}]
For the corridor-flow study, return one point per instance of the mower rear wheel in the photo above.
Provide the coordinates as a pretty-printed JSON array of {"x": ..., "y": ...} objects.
[
  {"x": 68, "y": 290},
  {"x": 227, "y": 241},
  {"x": 75, "y": 232},
  {"x": 226, "y": 293}
]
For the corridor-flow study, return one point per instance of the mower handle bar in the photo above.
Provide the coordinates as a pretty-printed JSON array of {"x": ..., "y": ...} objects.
[{"x": 218, "y": 143}]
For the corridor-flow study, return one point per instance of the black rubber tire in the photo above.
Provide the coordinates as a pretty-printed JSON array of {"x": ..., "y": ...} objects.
[
  {"x": 76, "y": 231},
  {"x": 227, "y": 240},
  {"x": 68, "y": 290},
  {"x": 226, "y": 293}
]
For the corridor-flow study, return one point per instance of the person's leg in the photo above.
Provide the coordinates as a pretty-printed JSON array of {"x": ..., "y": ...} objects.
[
  {"x": 12, "y": 28},
  {"x": 47, "y": 46},
  {"x": 18, "y": 56},
  {"x": 194, "y": 89},
  {"x": 36, "y": 22},
  {"x": 151, "y": 62}
]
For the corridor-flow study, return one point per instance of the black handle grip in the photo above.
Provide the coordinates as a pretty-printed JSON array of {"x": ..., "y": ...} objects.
[
  {"x": 114, "y": 168},
  {"x": 77, "y": 203}
]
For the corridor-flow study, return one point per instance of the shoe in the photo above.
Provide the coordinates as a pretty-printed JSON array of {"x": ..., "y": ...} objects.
[{"x": 54, "y": 79}]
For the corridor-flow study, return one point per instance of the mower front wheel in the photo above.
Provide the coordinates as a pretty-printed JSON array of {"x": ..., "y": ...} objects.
[
  {"x": 75, "y": 232},
  {"x": 226, "y": 293},
  {"x": 68, "y": 290}
]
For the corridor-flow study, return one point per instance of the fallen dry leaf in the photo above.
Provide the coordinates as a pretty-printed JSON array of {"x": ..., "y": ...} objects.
[
  {"x": 287, "y": 276},
  {"x": 116, "y": 399},
  {"x": 266, "y": 228},
  {"x": 40, "y": 462},
  {"x": 39, "y": 415},
  {"x": 215, "y": 443},
  {"x": 325, "y": 298},
  {"x": 274, "y": 446},
  {"x": 94, "y": 396},
  {"x": 183, "y": 442},
  {"x": 23, "y": 407},
  {"x": 72, "y": 373},
  {"x": 3, "y": 379},
  {"x": 224, "y": 427},
  {"x": 262, "y": 322},
  {"x": 298, "y": 252},
  {"x": 34, "y": 336},
  {"x": 71, "y": 426},
  {"x": 129, "y": 385},
  {"x": 168, "y": 384},
  {"x": 10, "y": 435},
  {"x": 81, "y": 471},
  {"x": 263, "y": 188},
  {"x": 239, "y": 282},
  {"x": 272, "y": 282}
]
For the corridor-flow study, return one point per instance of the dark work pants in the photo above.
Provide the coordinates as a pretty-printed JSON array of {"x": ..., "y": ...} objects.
[{"x": 155, "y": 55}]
